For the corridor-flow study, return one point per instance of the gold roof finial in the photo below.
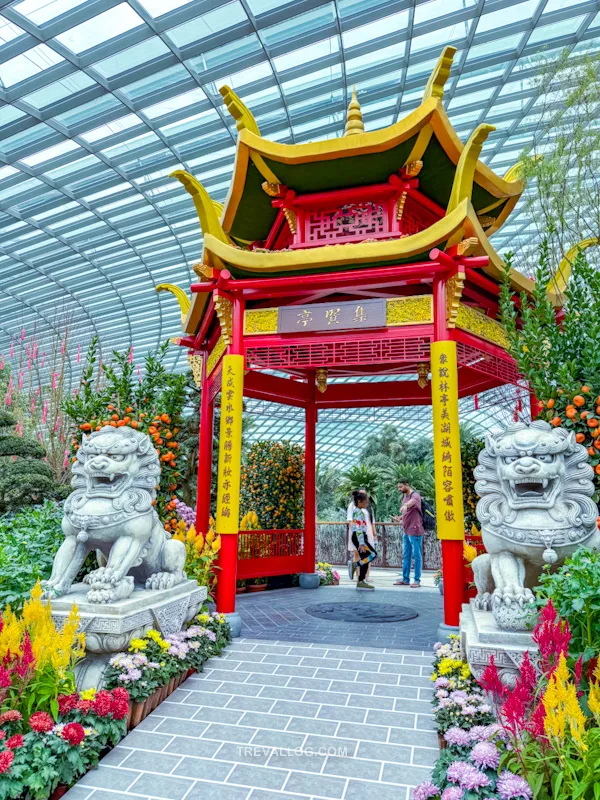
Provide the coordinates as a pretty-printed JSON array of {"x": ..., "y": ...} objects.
[{"x": 354, "y": 119}]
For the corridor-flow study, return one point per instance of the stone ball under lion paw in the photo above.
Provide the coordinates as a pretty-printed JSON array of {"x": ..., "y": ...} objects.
[{"x": 514, "y": 617}]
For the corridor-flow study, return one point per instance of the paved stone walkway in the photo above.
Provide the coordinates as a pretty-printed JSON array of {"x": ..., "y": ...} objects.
[
  {"x": 283, "y": 721},
  {"x": 280, "y": 614}
]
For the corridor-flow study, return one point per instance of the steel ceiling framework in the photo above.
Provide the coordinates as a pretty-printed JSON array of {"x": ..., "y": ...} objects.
[{"x": 100, "y": 100}]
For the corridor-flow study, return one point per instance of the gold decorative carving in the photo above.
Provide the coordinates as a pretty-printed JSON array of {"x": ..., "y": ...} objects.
[
  {"x": 239, "y": 111},
  {"x": 413, "y": 169},
  {"x": 215, "y": 355},
  {"x": 485, "y": 221},
  {"x": 272, "y": 189},
  {"x": 409, "y": 310},
  {"x": 204, "y": 271},
  {"x": 291, "y": 218},
  {"x": 423, "y": 373},
  {"x": 224, "y": 309},
  {"x": 321, "y": 378},
  {"x": 473, "y": 321},
  {"x": 260, "y": 320},
  {"x": 354, "y": 118},
  {"x": 195, "y": 363},
  {"x": 400, "y": 205},
  {"x": 467, "y": 246},
  {"x": 440, "y": 74},
  {"x": 454, "y": 287},
  {"x": 182, "y": 298}
]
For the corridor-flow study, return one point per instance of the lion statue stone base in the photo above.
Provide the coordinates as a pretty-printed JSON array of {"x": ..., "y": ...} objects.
[
  {"x": 111, "y": 511},
  {"x": 536, "y": 508}
]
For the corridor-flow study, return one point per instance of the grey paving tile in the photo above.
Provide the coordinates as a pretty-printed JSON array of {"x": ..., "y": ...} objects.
[
  {"x": 228, "y": 733},
  {"x": 353, "y": 665},
  {"x": 296, "y": 672},
  {"x": 343, "y": 687},
  {"x": 224, "y": 663},
  {"x": 281, "y": 693},
  {"x": 190, "y": 767},
  {"x": 261, "y": 703},
  {"x": 414, "y": 706},
  {"x": 79, "y": 793},
  {"x": 426, "y": 722},
  {"x": 201, "y": 683},
  {"x": 206, "y": 790},
  {"x": 203, "y": 748},
  {"x": 380, "y": 677},
  {"x": 406, "y": 736},
  {"x": 359, "y": 790},
  {"x": 336, "y": 675},
  {"x": 278, "y": 739},
  {"x": 245, "y": 689},
  {"x": 423, "y": 660},
  {"x": 263, "y": 647},
  {"x": 164, "y": 787},
  {"x": 311, "y": 683},
  {"x": 312, "y": 661},
  {"x": 262, "y": 794},
  {"x": 319, "y": 785},
  {"x": 330, "y": 746},
  {"x": 371, "y": 701},
  {"x": 229, "y": 675},
  {"x": 177, "y": 710},
  {"x": 370, "y": 733},
  {"x": 394, "y": 719},
  {"x": 292, "y": 709},
  {"x": 353, "y": 767},
  {"x": 403, "y": 773},
  {"x": 300, "y": 762},
  {"x": 102, "y": 794},
  {"x": 271, "y": 721},
  {"x": 255, "y": 753},
  {"x": 150, "y": 723},
  {"x": 145, "y": 760},
  {"x": 245, "y": 656},
  {"x": 342, "y": 713},
  {"x": 258, "y": 777},
  {"x": 268, "y": 680},
  {"x": 331, "y": 698},
  {"x": 425, "y": 756},
  {"x": 109, "y": 778},
  {"x": 223, "y": 715},
  {"x": 403, "y": 692},
  {"x": 414, "y": 680},
  {"x": 183, "y": 727},
  {"x": 216, "y": 699},
  {"x": 284, "y": 660},
  {"x": 394, "y": 753},
  {"x": 307, "y": 725},
  {"x": 116, "y": 756}
]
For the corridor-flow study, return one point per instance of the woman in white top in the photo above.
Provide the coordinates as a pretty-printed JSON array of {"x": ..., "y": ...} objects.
[{"x": 361, "y": 539}]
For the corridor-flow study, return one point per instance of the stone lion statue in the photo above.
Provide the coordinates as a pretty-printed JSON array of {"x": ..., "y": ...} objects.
[
  {"x": 535, "y": 487},
  {"x": 111, "y": 511}
]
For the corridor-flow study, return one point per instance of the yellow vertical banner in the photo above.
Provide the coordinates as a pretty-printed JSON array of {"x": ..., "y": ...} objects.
[
  {"x": 230, "y": 445},
  {"x": 446, "y": 442}
]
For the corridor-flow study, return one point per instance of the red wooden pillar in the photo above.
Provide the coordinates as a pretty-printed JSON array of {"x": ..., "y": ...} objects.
[
  {"x": 204, "y": 455},
  {"x": 310, "y": 483},
  {"x": 533, "y": 405},
  {"x": 452, "y": 549},
  {"x": 228, "y": 555}
]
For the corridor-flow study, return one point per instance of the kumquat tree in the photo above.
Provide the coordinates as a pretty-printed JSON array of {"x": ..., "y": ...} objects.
[{"x": 150, "y": 400}]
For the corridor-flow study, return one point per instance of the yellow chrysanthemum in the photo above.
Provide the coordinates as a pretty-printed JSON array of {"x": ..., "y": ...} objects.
[
  {"x": 203, "y": 618},
  {"x": 135, "y": 645},
  {"x": 88, "y": 694}
]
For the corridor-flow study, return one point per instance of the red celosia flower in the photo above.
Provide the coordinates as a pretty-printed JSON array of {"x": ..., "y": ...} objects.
[
  {"x": 41, "y": 722},
  {"x": 591, "y": 667},
  {"x": 6, "y": 759},
  {"x": 26, "y": 663},
  {"x": 10, "y": 716},
  {"x": 73, "y": 733},
  {"x": 103, "y": 703},
  {"x": 552, "y": 636},
  {"x": 67, "y": 702},
  {"x": 527, "y": 679},
  {"x": 491, "y": 681},
  {"x": 15, "y": 741},
  {"x": 535, "y": 725},
  {"x": 5, "y": 680},
  {"x": 578, "y": 670}
]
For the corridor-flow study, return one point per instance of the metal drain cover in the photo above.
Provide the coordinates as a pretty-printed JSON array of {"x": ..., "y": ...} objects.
[{"x": 361, "y": 612}]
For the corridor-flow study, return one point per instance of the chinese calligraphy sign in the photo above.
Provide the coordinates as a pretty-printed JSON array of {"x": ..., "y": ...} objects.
[
  {"x": 230, "y": 445},
  {"x": 332, "y": 316},
  {"x": 446, "y": 441}
]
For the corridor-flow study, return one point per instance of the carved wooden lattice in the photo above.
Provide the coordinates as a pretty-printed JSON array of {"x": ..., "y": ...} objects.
[
  {"x": 415, "y": 217},
  {"x": 357, "y": 220}
]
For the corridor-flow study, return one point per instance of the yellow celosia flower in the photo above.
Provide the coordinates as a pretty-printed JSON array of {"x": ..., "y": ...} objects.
[
  {"x": 135, "y": 645},
  {"x": 210, "y": 535},
  {"x": 216, "y": 545},
  {"x": 594, "y": 699},
  {"x": 562, "y": 707},
  {"x": 190, "y": 536},
  {"x": 469, "y": 552}
]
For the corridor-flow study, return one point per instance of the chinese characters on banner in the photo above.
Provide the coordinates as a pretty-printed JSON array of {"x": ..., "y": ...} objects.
[
  {"x": 332, "y": 316},
  {"x": 230, "y": 445},
  {"x": 446, "y": 442}
]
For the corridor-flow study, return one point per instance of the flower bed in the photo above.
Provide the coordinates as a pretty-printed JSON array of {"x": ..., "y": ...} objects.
[
  {"x": 538, "y": 740},
  {"x": 155, "y": 666},
  {"x": 327, "y": 574},
  {"x": 50, "y": 734}
]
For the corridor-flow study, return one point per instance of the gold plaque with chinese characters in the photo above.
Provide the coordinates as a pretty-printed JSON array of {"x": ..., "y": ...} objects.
[{"x": 332, "y": 316}]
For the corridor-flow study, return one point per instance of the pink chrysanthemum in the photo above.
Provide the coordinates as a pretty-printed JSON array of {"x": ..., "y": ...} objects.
[
  {"x": 466, "y": 775},
  {"x": 485, "y": 755},
  {"x": 513, "y": 787},
  {"x": 425, "y": 790}
]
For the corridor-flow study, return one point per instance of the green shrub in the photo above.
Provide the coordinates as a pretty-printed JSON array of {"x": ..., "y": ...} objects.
[
  {"x": 273, "y": 484},
  {"x": 29, "y": 540}
]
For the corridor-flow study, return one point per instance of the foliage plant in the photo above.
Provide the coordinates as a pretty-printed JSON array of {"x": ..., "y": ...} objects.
[
  {"x": 360, "y": 476},
  {"x": 201, "y": 551},
  {"x": 40, "y": 752},
  {"x": 574, "y": 590},
  {"x": 273, "y": 484},
  {"x": 149, "y": 400},
  {"x": 29, "y": 540},
  {"x": 25, "y": 478},
  {"x": 153, "y": 660},
  {"x": 470, "y": 454}
]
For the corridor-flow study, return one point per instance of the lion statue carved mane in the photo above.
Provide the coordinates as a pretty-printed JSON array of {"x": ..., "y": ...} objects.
[
  {"x": 111, "y": 511},
  {"x": 536, "y": 508}
]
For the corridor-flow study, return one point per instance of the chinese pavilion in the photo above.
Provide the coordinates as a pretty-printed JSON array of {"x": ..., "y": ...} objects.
[{"x": 364, "y": 255}]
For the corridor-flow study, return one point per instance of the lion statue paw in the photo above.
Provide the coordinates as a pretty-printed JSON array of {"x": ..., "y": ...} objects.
[
  {"x": 164, "y": 580},
  {"x": 110, "y": 590}
]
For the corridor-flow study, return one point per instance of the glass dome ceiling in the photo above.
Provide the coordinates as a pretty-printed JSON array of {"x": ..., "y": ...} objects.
[{"x": 100, "y": 100}]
